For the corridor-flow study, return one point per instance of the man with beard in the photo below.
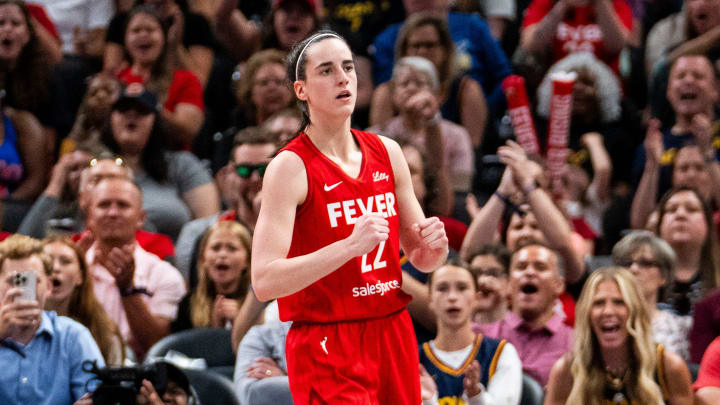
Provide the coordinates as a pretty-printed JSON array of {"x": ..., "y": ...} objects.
[
  {"x": 534, "y": 326},
  {"x": 460, "y": 366}
]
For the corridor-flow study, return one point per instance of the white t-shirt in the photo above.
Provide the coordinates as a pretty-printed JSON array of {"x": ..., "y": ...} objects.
[{"x": 87, "y": 14}]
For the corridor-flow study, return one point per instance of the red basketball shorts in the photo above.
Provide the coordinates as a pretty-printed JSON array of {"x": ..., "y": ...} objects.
[{"x": 355, "y": 362}]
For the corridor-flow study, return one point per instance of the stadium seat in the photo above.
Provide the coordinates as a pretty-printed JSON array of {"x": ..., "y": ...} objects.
[
  {"x": 213, "y": 345},
  {"x": 532, "y": 392},
  {"x": 211, "y": 387}
]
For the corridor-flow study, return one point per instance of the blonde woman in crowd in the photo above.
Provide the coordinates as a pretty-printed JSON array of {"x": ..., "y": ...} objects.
[
  {"x": 614, "y": 359},
  {"x": 223, "y": 279}
]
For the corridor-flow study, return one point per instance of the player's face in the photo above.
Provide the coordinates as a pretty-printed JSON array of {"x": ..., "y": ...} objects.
[
  {"x": 330, "y": 86},
  {"x": 609, "y": 315},
  {"x": 452, "y": 295}
]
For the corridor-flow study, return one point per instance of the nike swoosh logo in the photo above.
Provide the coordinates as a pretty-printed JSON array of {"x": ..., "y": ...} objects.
[{"x": 328, "y": 188}]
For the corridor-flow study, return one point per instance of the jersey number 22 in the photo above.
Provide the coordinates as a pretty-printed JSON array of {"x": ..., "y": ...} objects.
[{"x": 377, "y": 263}]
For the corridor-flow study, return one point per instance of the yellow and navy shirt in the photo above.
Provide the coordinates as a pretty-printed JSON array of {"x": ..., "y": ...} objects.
[{"x": 449, "y": 380}]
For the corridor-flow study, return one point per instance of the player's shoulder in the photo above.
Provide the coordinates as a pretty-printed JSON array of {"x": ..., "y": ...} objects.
[
  {"x": 390, "y": 144},
  {"x": 286, "y": 176},
  {"x": 286, "y": 161}
]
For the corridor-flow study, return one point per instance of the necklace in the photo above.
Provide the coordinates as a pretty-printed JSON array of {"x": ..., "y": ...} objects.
[{"x": 615, "y": 379}]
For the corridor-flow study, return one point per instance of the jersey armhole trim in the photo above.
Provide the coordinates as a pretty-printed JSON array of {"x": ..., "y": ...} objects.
[{"x": 496, "y": 358}]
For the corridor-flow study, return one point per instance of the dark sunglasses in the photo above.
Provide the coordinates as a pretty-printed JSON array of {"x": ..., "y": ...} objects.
[{"x": 245, "y": 170}]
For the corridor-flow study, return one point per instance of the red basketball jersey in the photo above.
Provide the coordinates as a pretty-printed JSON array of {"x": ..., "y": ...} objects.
[{"x": 367, "y": 286}]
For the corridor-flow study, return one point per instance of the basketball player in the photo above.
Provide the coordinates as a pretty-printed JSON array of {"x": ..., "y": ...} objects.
[{"x": 338, "y": 205}]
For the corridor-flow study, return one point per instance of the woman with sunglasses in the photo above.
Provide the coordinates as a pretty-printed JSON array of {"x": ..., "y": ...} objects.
[{"x": 176, "y": 187}]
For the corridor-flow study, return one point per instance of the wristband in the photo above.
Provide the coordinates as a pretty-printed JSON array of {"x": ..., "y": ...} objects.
[
  {"x": 510, "y": 204},
  {"x": 531, "y": 187},
  {"x": 129, "y": 291},
  {"x": 503, "y": 198}
]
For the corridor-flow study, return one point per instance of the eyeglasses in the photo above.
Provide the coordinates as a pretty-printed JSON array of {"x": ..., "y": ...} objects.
[
  {"x": 642, "y": 263},
  {"x": 246, "y": 170}
]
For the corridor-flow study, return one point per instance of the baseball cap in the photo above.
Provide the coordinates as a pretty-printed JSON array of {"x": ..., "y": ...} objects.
[{"x": 135, "y": 95}]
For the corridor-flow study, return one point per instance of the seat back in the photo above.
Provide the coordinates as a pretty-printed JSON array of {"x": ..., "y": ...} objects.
[
  {"x": 213, "y": 345},
  {"x": 532, "y": 392},
  {"x": 211, "y": 388}
]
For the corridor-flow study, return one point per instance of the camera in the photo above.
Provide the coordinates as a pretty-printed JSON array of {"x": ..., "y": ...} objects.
[{"x": 120, "y": 385}]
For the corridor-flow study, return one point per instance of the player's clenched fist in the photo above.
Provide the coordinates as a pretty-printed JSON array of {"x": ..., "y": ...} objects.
[
  {"x": 432, "y": 233},
  {"x": 370, "y": 229}
]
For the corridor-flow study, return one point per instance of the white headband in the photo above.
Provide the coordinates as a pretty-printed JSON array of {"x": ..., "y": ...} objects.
[{"x": 310, "y": 41}]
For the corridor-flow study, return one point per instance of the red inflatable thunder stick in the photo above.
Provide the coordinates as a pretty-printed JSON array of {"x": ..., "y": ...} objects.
[
  {"x": 559, "y": 125},
  {"x": 519, "y": 111}
]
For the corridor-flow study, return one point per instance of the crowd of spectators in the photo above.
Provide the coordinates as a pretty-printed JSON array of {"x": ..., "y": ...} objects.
[{"x": 135, "y": 135}]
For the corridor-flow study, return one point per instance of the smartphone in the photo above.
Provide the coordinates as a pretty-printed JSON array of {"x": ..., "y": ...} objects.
[{"x": 27, "y": 281}]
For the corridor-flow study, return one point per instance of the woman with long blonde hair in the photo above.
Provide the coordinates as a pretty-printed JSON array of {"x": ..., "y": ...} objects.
[
  {"x": 223, "y": 278},
  {"x": 72, "y": 295},
  {"x": 614, "y": 359}
]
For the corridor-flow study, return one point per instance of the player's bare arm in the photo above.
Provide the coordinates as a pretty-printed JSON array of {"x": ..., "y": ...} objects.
[
  {"x": 422, "y": 239},
  {"x": 273, "y": 274}
]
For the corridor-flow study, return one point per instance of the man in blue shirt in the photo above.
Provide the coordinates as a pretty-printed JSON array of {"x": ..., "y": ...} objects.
[{"x": 41, "y": 353}]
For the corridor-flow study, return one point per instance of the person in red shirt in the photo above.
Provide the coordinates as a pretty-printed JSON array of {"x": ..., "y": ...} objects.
[
  {"x": 707, "y": 385},
  {"x": 179, "y": 91},
  {"x": 562, "y": 27},
  {"x": 338, "y": 205}
]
